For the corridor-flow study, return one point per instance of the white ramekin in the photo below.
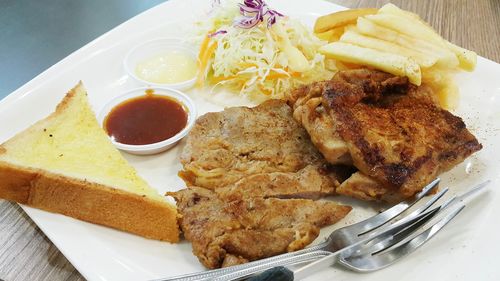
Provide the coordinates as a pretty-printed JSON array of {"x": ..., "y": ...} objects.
[
  {"x": 155, "y": 47},
  {"x": 157, "y": 147}
]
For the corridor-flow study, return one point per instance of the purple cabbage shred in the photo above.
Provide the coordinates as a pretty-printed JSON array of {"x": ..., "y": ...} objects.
[
  {"x": 217, "y": 33},
  {"x": 255, "y": 11},
  {"x": 252, "y": 13}
]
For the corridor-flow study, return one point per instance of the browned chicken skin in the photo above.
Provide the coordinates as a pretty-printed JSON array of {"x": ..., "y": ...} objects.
[
  {"x": 395, "y": 133},
  {"x": 308, "y": 109}
]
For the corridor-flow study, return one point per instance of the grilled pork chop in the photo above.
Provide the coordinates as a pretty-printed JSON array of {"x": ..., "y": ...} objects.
[
  {"x": 396, "y": 135},
  {"x": 306, "y": 183},
  {"x": 225, "y": 233},
  {"x": 245, "y": 168},
  {"x": 226, "y": 147}
]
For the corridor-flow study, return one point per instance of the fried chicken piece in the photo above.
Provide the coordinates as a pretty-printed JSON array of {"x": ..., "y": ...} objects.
[
  {"x": 225, "y": 233},
  {"x": 395, "y": 132},
  {"x": 361, "y": 186},
  {"x": 392, "y": 131},
  {"x": 308, "y": 109},
  {"x": 307, "y": 103}
]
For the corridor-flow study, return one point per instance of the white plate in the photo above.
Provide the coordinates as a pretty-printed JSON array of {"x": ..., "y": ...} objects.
[{"x": 467, "y": 249}]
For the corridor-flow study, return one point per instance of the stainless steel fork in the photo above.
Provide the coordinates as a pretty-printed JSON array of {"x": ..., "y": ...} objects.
[
  {"x": 389, "y": 245},
  {"x": 380, "y": 253},
  {"x": 349, "y": 236},
  {"x": 350, "y": 258}
]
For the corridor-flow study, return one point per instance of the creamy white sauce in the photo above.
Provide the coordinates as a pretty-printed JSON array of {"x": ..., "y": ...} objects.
[{"x": 167, "y": 68}]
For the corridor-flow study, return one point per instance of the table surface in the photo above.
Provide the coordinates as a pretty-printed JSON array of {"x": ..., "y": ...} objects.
[{"x": 27, "y": 49}]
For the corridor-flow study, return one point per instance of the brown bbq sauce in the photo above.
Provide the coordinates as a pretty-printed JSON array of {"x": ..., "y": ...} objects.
[{"x": 146, "y": 119}]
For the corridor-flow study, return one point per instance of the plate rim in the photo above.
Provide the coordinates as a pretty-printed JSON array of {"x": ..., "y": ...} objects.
[{"x": 86, "y": 50}]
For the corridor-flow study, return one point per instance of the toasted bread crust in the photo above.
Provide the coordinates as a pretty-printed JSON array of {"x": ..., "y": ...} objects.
[
  {"x": 82, "y": 199},
  {"x": 88, "y": 201}
]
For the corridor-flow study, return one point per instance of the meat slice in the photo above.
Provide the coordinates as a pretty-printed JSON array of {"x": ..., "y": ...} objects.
[
  {"x": 309, "y": 183},
  {"x": 245, "y": 169},
  {"x": 363, "y": 187},
  {"x": 226, "y": 147},
  {"x": 394, "y": 131},
  {"x": 225, "y": 233}
]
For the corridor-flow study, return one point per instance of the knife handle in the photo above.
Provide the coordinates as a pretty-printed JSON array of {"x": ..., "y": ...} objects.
[{"x": 279, "y": 273}]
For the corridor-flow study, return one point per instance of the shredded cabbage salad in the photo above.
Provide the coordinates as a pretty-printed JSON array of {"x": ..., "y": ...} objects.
[{"x": 258, "y": 52}]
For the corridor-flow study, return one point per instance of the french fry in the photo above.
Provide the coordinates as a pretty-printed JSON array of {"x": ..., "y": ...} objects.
[
  {"x": 398, "y": 42},
  {"x": 407, "y": 26},
  {"x": 336, "y": 33},
  {"x": 445, "y": 57},
  {"x": 351, "y": 36},
  {"x": 436, "y": 75},
  {"x": 342, "y": 18},
  {"x": 417, "y": 28},
  {"x": 468, "y": 59},
  {"x": 442, "y": 84},
  {"x": 395, "y": 10},
  {"x": 325, "y": 35},
  {"x": 391, "y": 63},
  {"x": 332, "y": 34},
  {"x": 347, "y": 65},
  {"x": 448, "y": 95}
]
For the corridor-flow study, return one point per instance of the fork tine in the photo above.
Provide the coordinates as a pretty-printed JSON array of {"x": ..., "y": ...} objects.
[
  {"x": 390, "y": 231},
  {"x": 352, "y": 249},
  {"x": 466, "y": 195},
  {"x": 376, "y": 221},
  {"x": 380, "y": 244},
  {"x": 429, "y": 203},
  {"x": 379, "y": 260}
]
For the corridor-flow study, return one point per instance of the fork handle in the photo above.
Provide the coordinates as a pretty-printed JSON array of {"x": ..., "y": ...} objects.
[
  {"x": 250, "y": 268},
  {"x": 284, "y": 274},
  {"x": 240, "y": 273},
  {"x": 279, "y": 273}
]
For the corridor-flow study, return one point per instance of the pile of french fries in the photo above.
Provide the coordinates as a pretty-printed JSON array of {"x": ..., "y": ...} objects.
[{"x": 397, "y": 42}]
